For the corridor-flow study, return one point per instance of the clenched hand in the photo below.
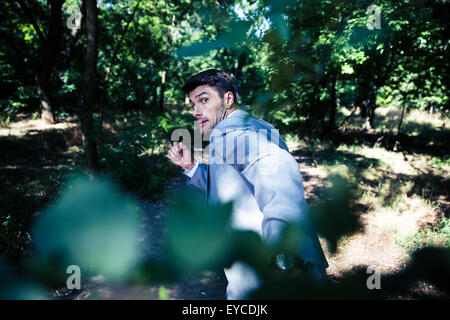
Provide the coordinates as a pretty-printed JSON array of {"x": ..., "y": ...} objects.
[{"x": 181, "y": 155}]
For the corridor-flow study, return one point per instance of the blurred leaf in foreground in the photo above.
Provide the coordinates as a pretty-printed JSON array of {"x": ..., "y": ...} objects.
[
  {"x": 13, "y": 287},
  {"x": 198, "y": 235},
  {"x": 163, "y": 295},
  {"x": 92, "y": 225}
]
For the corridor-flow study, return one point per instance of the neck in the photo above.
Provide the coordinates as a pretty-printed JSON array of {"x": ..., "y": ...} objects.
[
  {"x": 227, "y": 112},
  {"x": 230, "y": 111}
]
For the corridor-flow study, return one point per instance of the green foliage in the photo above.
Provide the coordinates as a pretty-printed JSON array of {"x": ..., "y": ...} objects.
[
  {"x": 145, "y": 175},
  {"x": 92, "y": 225},
  {"x": 163, "y": 295},
  {"x": 282, "y": 55},
  {"x": 307, "y": 66},
  {"x": 96, "y": 226},
  {"x": 437, "y": 236},
  {"x": 197, "y": 237},
  {"x": 132, "y": 155},
  {"x": 16, "y": 288}
]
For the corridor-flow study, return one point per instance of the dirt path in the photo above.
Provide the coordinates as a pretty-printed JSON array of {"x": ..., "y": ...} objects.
[{"x": 374, "y": 246}]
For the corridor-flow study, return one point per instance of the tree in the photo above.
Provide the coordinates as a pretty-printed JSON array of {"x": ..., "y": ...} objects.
[
  {"x": 50, "y": 47},
  {"x": 87, "y": 96}
]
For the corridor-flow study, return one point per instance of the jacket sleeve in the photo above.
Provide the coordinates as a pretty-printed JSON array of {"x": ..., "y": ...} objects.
[
  {"x": 199, "y": 178},
  {"x": 277, "y": 187}
]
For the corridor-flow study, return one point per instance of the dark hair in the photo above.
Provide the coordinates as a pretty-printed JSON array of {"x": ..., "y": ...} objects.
[{"x": 220, "y": 80}]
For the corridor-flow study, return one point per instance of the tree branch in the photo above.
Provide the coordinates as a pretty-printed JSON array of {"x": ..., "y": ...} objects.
[
  {"x": 116, "y": 49},
  {"x": 31, "y": 19}
]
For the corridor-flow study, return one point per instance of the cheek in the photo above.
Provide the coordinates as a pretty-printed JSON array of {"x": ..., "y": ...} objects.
[
  {"x": 209, "y": 112},
  {"x": 212, "y": 111}
]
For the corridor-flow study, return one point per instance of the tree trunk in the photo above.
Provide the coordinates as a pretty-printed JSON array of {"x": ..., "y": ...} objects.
[
  {"x": 372, "y": 104},
  {"x": 154, "y": 98},
  {"x": 87, "y": 98},
  {"x": 166, "y": 67},
  {"x": 44, "y": 100},
  {"x": 314, "y": 105},
  {"x": 333, "y": 103},
  {"x": 402, "y": 114},
  {"x": 161, "y": 94},
  {"x": 49, "y": 57},
  {"x": 365, "y": 107}
]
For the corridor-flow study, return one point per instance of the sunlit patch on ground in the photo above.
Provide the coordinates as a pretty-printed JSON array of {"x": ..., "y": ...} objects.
[
  {"x": 33, "y": 126},
  {"x": 397, "y": 204}
]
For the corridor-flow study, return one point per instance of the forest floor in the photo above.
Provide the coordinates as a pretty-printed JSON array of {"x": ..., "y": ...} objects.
[
  {"x": 403, "y": 197},
  {"x": 377, "y": 244}
]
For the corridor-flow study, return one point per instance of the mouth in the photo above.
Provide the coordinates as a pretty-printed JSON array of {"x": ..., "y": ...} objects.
[{"x": 202, "y": 122}]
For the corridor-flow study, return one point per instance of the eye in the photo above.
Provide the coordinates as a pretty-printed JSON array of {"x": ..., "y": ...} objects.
[{"x": 204, "y": 100}]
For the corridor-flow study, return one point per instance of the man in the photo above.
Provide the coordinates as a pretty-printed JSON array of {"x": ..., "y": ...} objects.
[{"x": 249, "y": 164}]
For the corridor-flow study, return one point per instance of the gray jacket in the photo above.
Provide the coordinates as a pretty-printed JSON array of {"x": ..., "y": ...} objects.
[{"x": 250, "y": 164}]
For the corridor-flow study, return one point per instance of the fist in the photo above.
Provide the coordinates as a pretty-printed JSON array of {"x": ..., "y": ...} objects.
[{"x": 181, "y": 155}]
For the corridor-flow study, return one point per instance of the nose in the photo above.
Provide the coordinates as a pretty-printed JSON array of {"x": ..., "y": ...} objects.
[{"x": 197, "y": 112}]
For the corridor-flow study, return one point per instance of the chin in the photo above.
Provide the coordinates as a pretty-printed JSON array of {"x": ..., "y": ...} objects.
[{"x": 206, "y": 130}]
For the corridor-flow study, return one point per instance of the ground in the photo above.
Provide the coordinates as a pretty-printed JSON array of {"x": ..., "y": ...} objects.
[
  {"x": 375, "y": 245},
  {"x": 401, "y": 195}
]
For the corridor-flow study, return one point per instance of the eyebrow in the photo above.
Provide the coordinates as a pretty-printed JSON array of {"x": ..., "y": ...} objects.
[{"x": 201, "y": 93}]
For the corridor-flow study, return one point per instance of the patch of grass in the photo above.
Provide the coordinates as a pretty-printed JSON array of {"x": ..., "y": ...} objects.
[
  {"x": 441, "y": 163},
  {"x": 389, "y": 184},
  {"x": 438, "y": 236},
  {"x": 5, "y": 120}
]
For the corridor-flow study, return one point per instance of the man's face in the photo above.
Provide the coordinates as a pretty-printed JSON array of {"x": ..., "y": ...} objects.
[{"x": 208, "y": 107}]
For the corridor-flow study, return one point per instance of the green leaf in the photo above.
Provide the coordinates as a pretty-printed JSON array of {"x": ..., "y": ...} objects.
[{"x": 163, "y": 295}]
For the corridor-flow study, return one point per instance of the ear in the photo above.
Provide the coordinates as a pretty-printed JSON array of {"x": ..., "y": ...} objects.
[{"x": 228, "y": 99}]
